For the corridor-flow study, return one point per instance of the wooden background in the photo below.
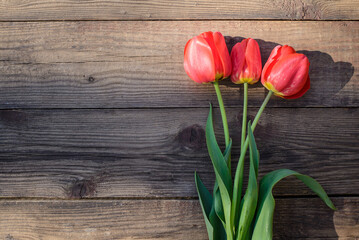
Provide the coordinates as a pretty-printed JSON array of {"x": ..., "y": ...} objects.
[{"x": 101, "y": 130}]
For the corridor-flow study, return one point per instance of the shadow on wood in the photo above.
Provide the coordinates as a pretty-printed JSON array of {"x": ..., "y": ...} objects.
[
  {"x": 293, "y": 216},
  {"x": 323, "y": 69}
]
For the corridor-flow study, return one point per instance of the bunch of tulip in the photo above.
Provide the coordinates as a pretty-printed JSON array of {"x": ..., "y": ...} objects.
[{"x": 227, "y": 214}]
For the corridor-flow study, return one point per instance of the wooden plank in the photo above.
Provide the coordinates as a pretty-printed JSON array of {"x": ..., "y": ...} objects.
[
  {"x": 20, "y": 10},
  {"x": 164, "y": 219},
  {"x": 154, "y": 152},
  {"x": 140, "y": 64}
]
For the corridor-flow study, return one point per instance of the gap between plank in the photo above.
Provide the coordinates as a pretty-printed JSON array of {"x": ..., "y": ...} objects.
[
  {"x": 172, "y": 108},
  {"x": 181, "y": 20},
  {"x": 163, "y": 198}
]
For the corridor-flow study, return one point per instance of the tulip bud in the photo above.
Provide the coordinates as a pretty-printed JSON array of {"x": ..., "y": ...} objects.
[
  {"x": 246, "y": 62},
  {"x": 286, "y": 73},
  {"x": 206, "y": 58}
]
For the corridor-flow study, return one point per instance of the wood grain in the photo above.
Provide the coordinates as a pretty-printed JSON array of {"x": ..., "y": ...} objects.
[
  {"x": 154, "y": 152},
  {"x": 21, "y": 10},
  {"x": 164, "y": 219},
  {"x": 135, "y": 64},
  {"x": 101, "y": 130}
]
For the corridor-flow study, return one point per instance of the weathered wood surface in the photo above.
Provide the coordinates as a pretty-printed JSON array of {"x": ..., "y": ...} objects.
[
  {"x": 165, "y": 219},
  {"x": 106, "y": 112},
  {"x": 21, "y": 10},
  {"x": 132, "y": 64},
  {"x": 154, "y": 152}
]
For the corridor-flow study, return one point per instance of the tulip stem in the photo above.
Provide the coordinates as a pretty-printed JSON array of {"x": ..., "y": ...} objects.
[
  {"x": 226, "y": 137},
  {"x": 223, "y": 112},
  {"x": 260, "y": 111},
  {"x": 238, "y": 179},
  {"x": 244, "y": 122}
]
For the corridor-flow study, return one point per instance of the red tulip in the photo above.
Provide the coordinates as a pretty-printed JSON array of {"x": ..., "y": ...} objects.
[
  {"x": 286, "y": 73},
  {"x": 206, "y": 58},
  {"x": 246, "y": 62}
]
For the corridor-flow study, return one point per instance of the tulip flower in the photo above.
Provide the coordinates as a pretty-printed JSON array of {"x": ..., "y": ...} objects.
[
  {"x": 286, "y": 73},
  {"x": 246, "y": 62},
  {"x": 206, "y": 58},
  {"x": 246, "y": 68}
]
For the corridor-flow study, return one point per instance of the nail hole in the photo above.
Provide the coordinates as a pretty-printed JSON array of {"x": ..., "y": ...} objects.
[{"x": 91, "y": 79}]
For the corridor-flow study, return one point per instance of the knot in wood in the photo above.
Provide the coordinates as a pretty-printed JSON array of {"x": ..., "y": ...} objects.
[{"x": 192, "y": 137}]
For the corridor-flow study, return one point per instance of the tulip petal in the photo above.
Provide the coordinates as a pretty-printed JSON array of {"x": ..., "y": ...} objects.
[
  {"x": 277, "y": 53},
  {"x": 289, "y": 74},
  {"x": 286, "y": 50},
  {"x": 185, "y": 47},
  {"x": 222, "y": 49},
  {"x": 253, "y": 61},
  {"x": 208, "y": 36},
  {"x": 301, "y": 92},
  {"x": 270, "y": 63},
  {"x": 237, "y": 58},
  {"x": 198, "y": 60}
]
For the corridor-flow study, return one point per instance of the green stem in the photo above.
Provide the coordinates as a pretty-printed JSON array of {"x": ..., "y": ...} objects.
[
  {"x": 260, "y": 111},
  {"x": 229, "y": 225},
  {"x": 238, "y": 180},
  {"x": 223, "y": 112},
  {"x": 244, "y": 122},
  {"x": 229, "y": 232}
]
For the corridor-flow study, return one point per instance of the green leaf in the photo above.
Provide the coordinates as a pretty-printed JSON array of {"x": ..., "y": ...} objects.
[
  {"x": 218, "y": 161},
  {"x": 218, "y": 205},
  {"x": 217, "y": 201},
  {"x": 218, "y": 222},
  {"x": 223, "y": 175},
  {"x": 249, "y": 202},
  {"x": 227, "y": 153},
  {"x": 218, "y": 228},
  {"x": 205, "y": 200},
  {"x": 263, "y": 229}
]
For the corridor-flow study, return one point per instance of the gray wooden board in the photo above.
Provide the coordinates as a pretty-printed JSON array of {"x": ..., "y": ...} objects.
[
  {"x": 154, "y": 152},
  {"x": 19, "y": 10},
  {"x": 303, "y": 218},
  {"x": 131, "y": 64}
]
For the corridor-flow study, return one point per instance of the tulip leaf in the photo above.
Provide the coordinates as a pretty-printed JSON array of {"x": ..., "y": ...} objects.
[
  {"x": 223, "y": 175},
  {"x": 218, "y": 227},
  {"x": 217, "y": 158},
  {"x": 218, "y": 205},
  {"x": 249, "y": 201},
  {"x": 227, "y": 153},
  {"x": 263, "y": 229},
  {"x": 217, "y": 201},
  {"x": 205, "y": 199}
]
